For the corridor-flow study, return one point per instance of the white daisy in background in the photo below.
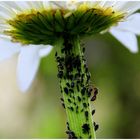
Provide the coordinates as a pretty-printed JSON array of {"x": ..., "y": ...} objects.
[{"x": 31, "y": 51}]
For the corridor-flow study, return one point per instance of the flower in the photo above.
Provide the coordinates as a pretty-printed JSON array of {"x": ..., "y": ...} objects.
[{"x": 32, "y": 28}]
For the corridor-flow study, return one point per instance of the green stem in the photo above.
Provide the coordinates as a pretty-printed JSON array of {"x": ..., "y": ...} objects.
[{"x": 74, "y": 83}]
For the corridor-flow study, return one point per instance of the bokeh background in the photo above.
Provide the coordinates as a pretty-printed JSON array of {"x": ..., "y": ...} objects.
[{"x": 39, "y": 114}]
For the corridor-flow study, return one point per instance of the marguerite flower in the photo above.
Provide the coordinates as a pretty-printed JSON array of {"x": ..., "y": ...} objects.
[{"x": 32, "y": 28}]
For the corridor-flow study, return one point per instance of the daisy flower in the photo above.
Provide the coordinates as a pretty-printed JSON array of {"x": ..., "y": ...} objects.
[
  {"x": 31, "y": 45},
  {"x": 31, "y": 28}
]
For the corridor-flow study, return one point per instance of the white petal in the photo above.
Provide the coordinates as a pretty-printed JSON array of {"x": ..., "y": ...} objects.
[
  {"x": 11, "y": 5},
  {"x": 7, "y": 49},
  {"x": 128, "y": 39},
  {"x": 18, "y": 5},
  {"x": 132, "y": 24},
  {"x": 35, "y": 5},
  {"x": 28, "y": 64},
  {"x": 60, "y": 4},
  {"x": 6, "y": 11},
  {"x": 46, "y": 4},
  {"x": 45, "y": 50},
  {"x": 128, "y": 6}
]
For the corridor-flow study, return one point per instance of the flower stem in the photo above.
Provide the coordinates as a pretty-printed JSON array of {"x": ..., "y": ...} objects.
[{"x": 75, "y": 88}]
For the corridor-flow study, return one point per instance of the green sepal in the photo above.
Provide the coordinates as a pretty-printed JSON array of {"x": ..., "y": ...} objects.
[
  {"x": 70, "y": 22},
  {"x": 47, "y": 26},
  {"x": 45, "y": 21},
  {"x": 59, "y": 21}
]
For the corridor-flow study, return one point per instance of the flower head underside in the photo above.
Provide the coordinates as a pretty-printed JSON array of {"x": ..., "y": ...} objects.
[{"x": 46, "y": 26}]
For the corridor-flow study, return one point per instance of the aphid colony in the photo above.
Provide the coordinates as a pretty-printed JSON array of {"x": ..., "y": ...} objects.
[{"x": 74, "y": 83}]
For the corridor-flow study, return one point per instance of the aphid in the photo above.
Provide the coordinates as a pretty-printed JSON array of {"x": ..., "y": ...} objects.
[
  {"x": 64, "y": 77},
  {"x": 63, "y": 105},
  {"x": 93, "y": 98},
  {"x": 69, "y": 100},
  {"x": 84, "y": 49},
  {"x": 77, "y": 76},
  {"x": 77, "y": 88},
  {"x": 88, "y": 77},
  {"x": 96, "y": 126},
  {"x": 84, "y": 98},
  {"x": 79, "y": 99},
  {"x": 71, "y": 108},
  {"x": 66, "y": 90},
  {"x": 56, "y": 54},
  {"x": 62, "y": 50},
  {"x": 82, "y": 85},
  {"x": 71, "y": 77},
  {"x": 62, "y": 99},
  {"x": 93, "y": 112},
  {"x": 67, "y": 123},
  {"x": 78, "y": 66},
  {"x": 77, "y": 109},
  {"x": 113, "y": 12},
  {"x": 72, "y": 84},
  {"x": 86, "y": 69},
  {"x": 78, "y": 82},
  {"x": 89, "y": 94},
  {"x": 71, "y": 90},
  {"x": 60, "y": 74},
  {"x": 83, "y": 90},
  {"x": 60, "y": 66},
  {"x": 86, "y": 114},
  {"x": 71, "y": 134},
  {"x": 85, "y": 66},
  {"x": 90, "y": 89},
  {"x": 89, "y": 137},
  {"x": 68, "y": 84},
  {"x": 85, "y": 105},
  {"x": 69, "y": 46},
  {"x": 86, "y": 128},
  {"x": 58, "y": 59},
  {"x": 95, "y": 91},
  {"x": 84, "y": 59},
  {"x": 68, "y": 126},
  {"x": 62, "y": 59},
  {"x": 73, "y": 96}
]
